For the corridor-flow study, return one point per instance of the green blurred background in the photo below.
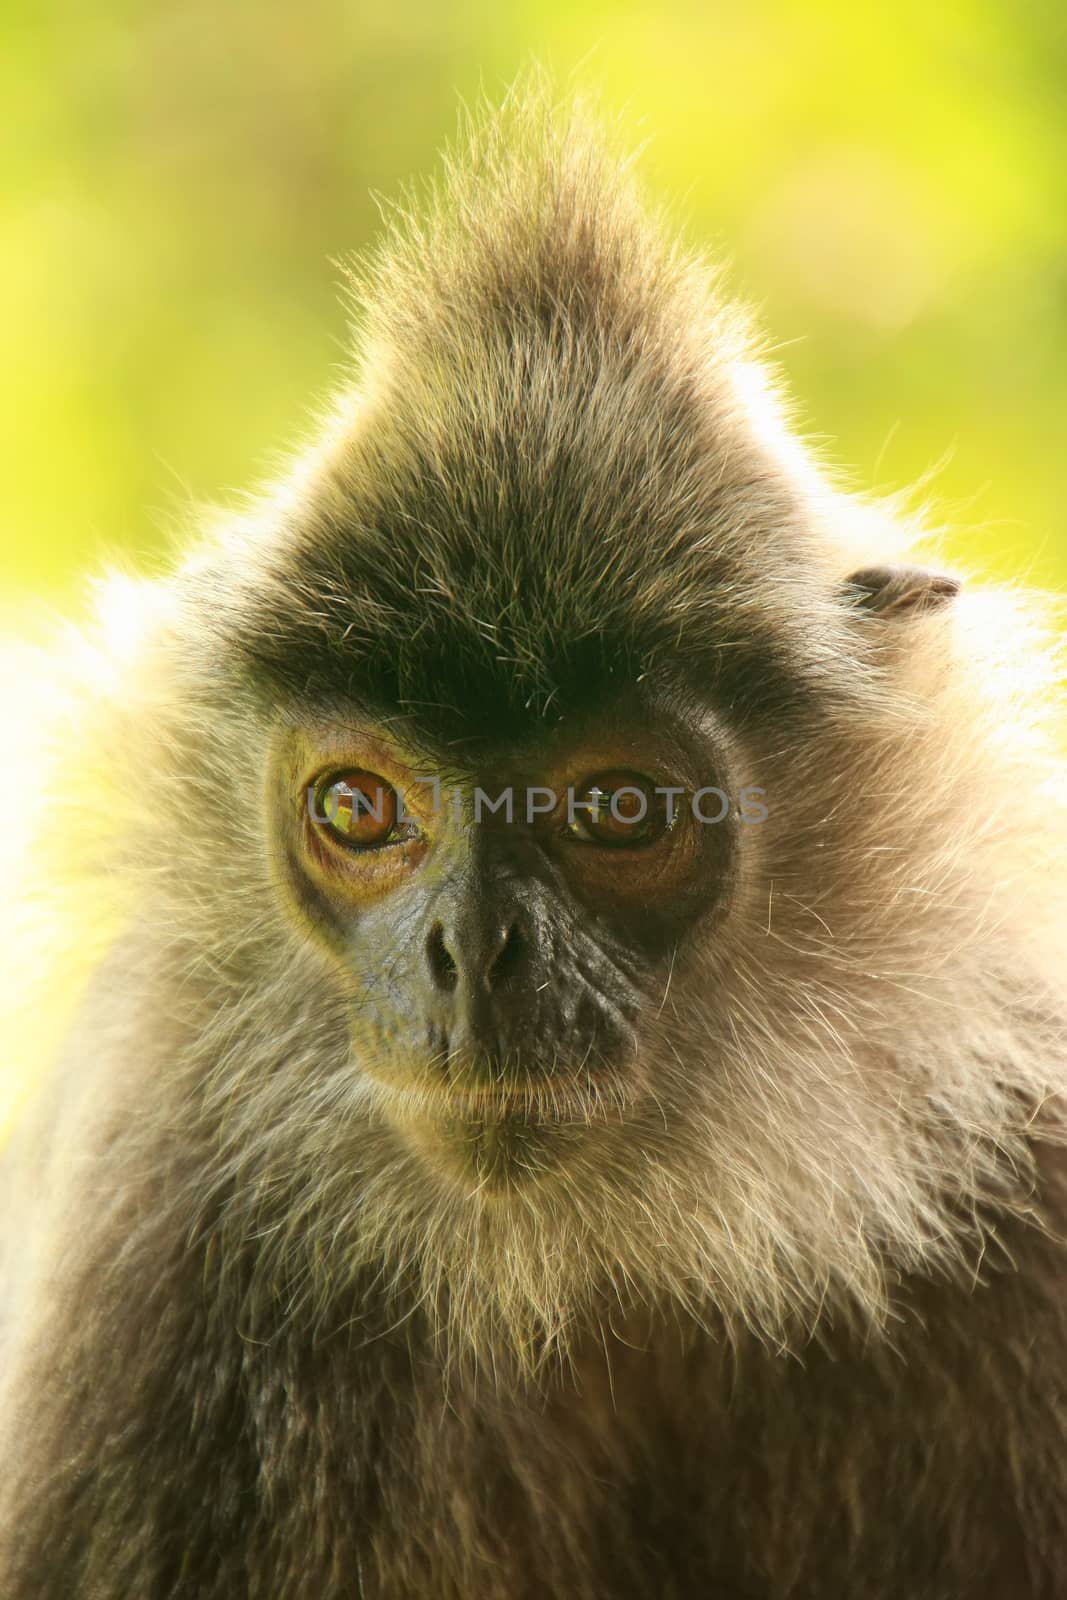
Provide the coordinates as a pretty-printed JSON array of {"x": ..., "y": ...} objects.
[{"x": 179, "y": 181}]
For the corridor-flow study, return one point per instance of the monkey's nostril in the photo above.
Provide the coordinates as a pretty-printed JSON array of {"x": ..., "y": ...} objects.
[
  {"x": 508, "y": 961},
  {"x": 442, "y": 966}
]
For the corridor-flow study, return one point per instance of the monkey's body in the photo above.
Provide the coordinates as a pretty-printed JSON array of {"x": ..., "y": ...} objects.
[
  {"x": 597, "y": 1202},
  {"x": 203, "y": 1460}
]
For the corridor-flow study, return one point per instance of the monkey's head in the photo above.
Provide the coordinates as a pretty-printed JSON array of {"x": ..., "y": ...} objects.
[{"x": 606, "y": 829}]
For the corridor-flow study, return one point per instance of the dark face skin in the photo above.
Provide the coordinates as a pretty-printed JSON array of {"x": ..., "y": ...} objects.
[{"x": 498, "y": 964}]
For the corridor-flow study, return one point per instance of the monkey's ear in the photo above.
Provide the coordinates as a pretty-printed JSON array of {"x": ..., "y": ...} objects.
[{"x": 898, "y": 591}]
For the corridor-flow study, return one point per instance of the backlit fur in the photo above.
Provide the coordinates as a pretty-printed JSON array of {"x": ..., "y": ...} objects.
[{"x": 559, "y": 452}]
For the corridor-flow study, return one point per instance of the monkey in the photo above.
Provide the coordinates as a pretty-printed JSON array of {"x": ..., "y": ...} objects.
[{"x": 565, "y": 1100}]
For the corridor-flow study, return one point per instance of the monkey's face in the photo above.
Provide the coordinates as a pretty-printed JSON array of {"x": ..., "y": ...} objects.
[
  {"x": 559, "y": 554},
  {"x": 502, "y": 922}
]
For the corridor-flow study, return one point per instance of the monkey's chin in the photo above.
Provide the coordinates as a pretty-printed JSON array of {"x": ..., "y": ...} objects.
[
  {"x": 497, "y": 1153},
  {"x": 492, "y": 1142}
]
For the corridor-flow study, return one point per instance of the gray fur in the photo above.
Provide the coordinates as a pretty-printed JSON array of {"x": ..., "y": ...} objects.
[{"x": 788, "y": 1319}]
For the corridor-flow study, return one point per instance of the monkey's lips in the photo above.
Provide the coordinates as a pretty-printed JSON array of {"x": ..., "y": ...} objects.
[{"x": 500, "y": 1134}]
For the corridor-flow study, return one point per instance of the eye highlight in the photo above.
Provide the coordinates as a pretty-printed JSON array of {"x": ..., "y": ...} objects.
[
  {"x": 359, "y": 810},
  {"x": 618, "y": 810}
]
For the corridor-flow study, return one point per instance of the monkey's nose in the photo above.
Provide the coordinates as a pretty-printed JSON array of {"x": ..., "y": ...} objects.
[
  {"x": 487, "y": 962},
  {"x": 508, "y": 956},
  {"x": 444, "y": 974}
]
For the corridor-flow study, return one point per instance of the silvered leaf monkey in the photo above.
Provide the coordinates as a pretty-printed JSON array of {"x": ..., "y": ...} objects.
[{"x": 571, "y": 1106}]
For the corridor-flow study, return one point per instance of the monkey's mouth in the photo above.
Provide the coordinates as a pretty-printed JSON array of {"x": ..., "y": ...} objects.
[
  {"x": 502, "y": 1134},
  {"x": 560, "y": 1098}
]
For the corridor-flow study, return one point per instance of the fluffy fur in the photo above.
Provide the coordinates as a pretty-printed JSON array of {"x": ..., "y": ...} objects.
[{"x": 788, "y": 1318}]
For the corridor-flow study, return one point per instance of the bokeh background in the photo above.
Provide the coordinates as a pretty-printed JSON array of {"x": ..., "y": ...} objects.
[{"x": 179, "y": 181}]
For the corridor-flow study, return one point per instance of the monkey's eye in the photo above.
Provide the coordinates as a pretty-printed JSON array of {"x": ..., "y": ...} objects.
[
  {"x": 618, "y": 809},
  {"x": 359, "y": 809}
]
